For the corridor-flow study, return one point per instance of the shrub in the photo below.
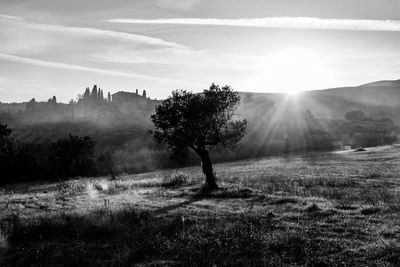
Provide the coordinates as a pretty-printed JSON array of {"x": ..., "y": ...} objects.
[{"x": 176, "y": 179}]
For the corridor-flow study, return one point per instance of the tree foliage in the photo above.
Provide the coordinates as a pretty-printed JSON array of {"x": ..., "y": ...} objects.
[
  {"x": 6, "y": 143},
  {"x": 73, "y": 155},
  {"x": 200, "y": 121}
]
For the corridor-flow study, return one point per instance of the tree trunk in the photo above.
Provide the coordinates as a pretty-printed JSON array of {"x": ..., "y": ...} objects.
[{"x": 208, "y": 170}]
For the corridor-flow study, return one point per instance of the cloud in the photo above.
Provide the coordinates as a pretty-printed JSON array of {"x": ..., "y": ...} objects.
[
  {"x": 86, "y": 31},
  {"x": 58, "y": 65},
  {"x": 178, "y": 4},
  {"x": 279, "y": 22}
]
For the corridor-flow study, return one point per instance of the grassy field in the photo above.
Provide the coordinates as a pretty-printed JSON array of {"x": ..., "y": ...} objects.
[{"x": 324, "y": 209}]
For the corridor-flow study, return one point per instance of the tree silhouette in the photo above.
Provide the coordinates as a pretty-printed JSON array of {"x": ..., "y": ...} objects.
[
  {"x": 316, "y": 137},
  {"x": 200, "y": 121},
  {"x": 73, "y": 156},
  {"x": 94, "y": 92},
  {"x": 53, "y": 100},
  {"x": 31, "y": 105},
  {"x": 6, "y": 142},
  {"x": 86, "y": 95}
]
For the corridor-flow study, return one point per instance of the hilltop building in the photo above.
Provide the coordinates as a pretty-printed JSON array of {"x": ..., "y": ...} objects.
[{"x": 122, "y": 96}]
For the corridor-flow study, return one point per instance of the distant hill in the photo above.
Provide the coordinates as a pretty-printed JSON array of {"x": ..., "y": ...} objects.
[
  {"x": 127, "y": 117},
  {"x": 277, "y": 123},
  {"x": 377, "y": 99}
]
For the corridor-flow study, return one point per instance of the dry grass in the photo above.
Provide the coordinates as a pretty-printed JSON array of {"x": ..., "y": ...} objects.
[{"x": 337, "y": 209}]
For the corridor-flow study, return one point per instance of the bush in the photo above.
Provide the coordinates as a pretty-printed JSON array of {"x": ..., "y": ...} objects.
[
  {"x": 176, "y": 179},
  {"x": 73, "y": 156}
]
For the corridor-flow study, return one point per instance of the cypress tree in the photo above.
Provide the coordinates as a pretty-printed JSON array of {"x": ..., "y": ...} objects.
[
  {"x": 87, "y": 93},
  {"x": 94, "y": 92}
]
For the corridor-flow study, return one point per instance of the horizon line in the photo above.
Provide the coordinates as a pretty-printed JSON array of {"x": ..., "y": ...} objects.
[{"x": 239, "y": 91}]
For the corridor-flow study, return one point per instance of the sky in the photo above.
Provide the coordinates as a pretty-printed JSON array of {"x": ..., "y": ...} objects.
[{"x": 59, "y": 47}]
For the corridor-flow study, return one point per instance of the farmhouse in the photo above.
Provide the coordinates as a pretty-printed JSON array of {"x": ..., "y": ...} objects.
[{"x": 122, "y": 96}]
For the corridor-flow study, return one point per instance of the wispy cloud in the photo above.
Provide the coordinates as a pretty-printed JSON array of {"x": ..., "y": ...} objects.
[
  {"x": 178, "y": 4},
  {"x": 58, "y": 65},
  {"x": 279, "y": 22},
  {"x": 86, "y": 31}
]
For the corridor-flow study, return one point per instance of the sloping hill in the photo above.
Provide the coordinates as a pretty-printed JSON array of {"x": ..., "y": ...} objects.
[{"x": 377, "y": 99}]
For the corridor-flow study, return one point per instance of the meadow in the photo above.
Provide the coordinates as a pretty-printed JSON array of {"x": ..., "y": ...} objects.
[{"x": 322, "y": 209}]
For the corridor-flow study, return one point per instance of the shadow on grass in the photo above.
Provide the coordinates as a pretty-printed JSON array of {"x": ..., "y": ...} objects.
[{"x": 222, "y": 193}]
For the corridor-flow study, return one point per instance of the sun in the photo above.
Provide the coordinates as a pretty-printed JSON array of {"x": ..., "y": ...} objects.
[{"x": 291, "y": 71}]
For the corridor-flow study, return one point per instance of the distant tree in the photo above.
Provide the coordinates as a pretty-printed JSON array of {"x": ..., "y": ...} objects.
[
  {"x": 101, "y": 94},
  {"x": 53, "y": 100},
  {"x": 73, "y": 156},
  {"x": 86, "y": 95},
  {"x": 106, "y": 164},
  {"x": 6, "y": 142},
  {"x": 94, "y": 92},
  {"x": 31, "y": 105},
  {"x": 144, "y": 93},
  {"x": 137, "y": 91},
  {"x": 315, "y": 136},
  {"x": 109, "y": 97},
  {"x": 310, "y": 120},
  {"x": 355, "y": 115},
  {"x": 200, "y": 122},
  {"x": 7, "y": 159}
]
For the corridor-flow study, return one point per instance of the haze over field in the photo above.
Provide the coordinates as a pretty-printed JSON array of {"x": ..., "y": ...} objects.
[{"x": 56, "y": 48}]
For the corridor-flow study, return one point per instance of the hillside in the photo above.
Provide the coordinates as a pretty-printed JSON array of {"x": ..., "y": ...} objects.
[
  {"x": 327, "y": 209},
  {"x": 377, "y": 99}
]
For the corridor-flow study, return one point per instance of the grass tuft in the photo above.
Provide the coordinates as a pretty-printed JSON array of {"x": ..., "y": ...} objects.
[{"x": 176, "y": 179}]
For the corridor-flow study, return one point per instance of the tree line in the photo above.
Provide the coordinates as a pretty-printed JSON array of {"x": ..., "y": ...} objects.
[{"x": 67, "y": 157}]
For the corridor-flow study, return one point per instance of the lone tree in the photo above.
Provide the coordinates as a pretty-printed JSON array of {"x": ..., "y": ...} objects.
[{"x": 200, "y": 121}]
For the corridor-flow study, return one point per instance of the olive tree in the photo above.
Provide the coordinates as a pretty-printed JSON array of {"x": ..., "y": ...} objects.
[{"x": 200, "y": 121}]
